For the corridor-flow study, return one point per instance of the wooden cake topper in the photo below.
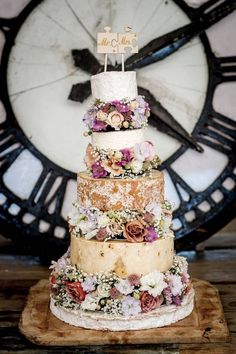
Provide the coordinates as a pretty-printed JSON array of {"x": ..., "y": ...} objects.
[{"x": 117, "y": 43}]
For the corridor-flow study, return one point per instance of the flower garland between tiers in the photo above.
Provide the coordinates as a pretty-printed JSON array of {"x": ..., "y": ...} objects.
[
  {"x": 74, "y": 289},
  {"x": 131, "y": 162},
  {"x": 135, "y": 226},
  {"x": 117, "y": 115}
]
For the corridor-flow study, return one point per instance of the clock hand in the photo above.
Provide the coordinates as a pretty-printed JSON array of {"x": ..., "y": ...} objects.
[
  {"x": 160, "y": 48},
  {"x": 165, "y": 122},
  {"x": 86, "y": 61}
]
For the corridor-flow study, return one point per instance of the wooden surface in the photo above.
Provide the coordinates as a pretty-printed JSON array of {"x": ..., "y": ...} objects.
[
  {"x": 18, "y": 273},
  {"x": 205, "y": 324}
]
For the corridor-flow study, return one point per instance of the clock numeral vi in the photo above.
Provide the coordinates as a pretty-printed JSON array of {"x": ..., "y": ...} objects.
[{"x": 225, "y": 69}]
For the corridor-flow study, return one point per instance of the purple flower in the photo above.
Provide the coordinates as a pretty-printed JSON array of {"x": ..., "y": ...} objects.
[
  {"x": 98, "y": 125},
  {"x": 126, "y": 158},
  {"x": 98, "y": 171},
  {"x": 177, "y": 300},
  {"x": 89, "y": 284},
  {"x": 120, "y": 106},
  {"x": 152, "y": 235},
  {"x": 130, "y": 306},
  {"x": 90, "y": 116}
]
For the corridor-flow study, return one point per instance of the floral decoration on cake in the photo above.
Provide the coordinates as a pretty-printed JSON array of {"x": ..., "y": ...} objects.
[
  {"x": 74, "y": 289},
  {"x": 117, "y": 115},
  {"x": 148, "y": 225},
  {"x": 127, "y": 162}
]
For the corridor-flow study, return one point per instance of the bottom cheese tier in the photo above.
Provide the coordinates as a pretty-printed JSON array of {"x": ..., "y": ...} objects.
[
  {"x": 104, "y": 300},
  {"x": 123, "y": 258}
]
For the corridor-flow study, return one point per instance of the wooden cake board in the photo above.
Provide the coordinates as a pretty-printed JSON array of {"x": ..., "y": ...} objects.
[{"x": 205, "y": 324}]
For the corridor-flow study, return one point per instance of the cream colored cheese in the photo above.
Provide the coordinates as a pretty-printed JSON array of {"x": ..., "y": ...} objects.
[
  {"x": 118, "y": 140},
  {"x": 114, "y": 85},
  {"x": 124, "y": 258}
]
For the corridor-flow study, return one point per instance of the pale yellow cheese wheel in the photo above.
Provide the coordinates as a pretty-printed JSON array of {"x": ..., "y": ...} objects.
[{"x": 124, "y": 258}]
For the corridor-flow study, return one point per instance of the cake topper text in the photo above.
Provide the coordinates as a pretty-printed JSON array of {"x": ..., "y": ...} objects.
[
  {"x": 112, "y": 43},
  {"x": 117, "y": 43}
]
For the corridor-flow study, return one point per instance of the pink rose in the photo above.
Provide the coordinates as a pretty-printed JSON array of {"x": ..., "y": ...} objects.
[
  {"x": 134, "y": 279},
  {"x": 115, "y": 119},
  {"x": 101, "y": 234},
  {"x": 75, "y": 291},
  {"x": 149, "y": 303}
]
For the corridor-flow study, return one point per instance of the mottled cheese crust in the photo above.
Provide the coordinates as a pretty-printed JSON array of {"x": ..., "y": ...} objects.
[
  {"x": 119, "y": 194},
  {"x": 123, "y": 258}
]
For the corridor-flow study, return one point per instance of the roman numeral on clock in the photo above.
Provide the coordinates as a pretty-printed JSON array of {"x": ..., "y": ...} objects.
[
  {"x": 218, "y": 132},
  {"x": 225, "y": 69},
  {"x": 10, "y": 148}
]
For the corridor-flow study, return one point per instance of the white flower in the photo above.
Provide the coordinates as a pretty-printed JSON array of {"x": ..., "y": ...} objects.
[
  {"x": 153, "y": 283},
  {"x": 133, "y": 105},
  {"x": 124, "y": 287},
  {"x": 155, "y": 209},
  {"x": 103, "y": 220},
  {"x": 73, "y": 216},
  {"x": 136, "y": 166},
  {"x": 175, "y": 284},
  {"x": 90, "y": 303},
  {"x": 103, "y": 290},
  {"x": 90, "y": 234}
]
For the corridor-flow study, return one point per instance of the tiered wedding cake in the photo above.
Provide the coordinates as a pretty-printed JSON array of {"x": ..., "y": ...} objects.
[{"x": 120, "y": 272}]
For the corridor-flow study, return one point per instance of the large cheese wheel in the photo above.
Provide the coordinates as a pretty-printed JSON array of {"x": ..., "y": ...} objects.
[
  {"x": 123, "y": 258},
  {"x": 120, "y": 193}
]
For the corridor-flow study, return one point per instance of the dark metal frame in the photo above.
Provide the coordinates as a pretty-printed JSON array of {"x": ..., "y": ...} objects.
[{"x": 47, "y": 245}]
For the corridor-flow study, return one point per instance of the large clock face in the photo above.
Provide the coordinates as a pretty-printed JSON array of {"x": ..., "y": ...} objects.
[{"x": 42, "y": 138}]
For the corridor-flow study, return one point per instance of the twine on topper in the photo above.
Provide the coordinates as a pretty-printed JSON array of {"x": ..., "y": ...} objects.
[{"x": 117, "y": 43}]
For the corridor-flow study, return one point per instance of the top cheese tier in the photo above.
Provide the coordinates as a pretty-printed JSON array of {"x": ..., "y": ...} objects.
[{"x": 114, "y": 85}]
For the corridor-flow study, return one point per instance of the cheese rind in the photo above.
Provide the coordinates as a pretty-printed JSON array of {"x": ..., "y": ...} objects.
[
  {"x": 123, "y": 258},
  {"x": 120, "y": 193},
  {"x": 114, "y": 85}
]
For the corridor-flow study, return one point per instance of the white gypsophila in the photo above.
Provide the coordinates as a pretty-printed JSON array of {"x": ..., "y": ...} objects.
[
  {"x": 155, "y": 209},
  {"x": 175, "y": 284},
  {"x": 90, "y": 303},
  {"x": 167, "y": 223},
  {"x": 182, "y": 263},
  {"x": 103, "y": 290},
  {"x": 124, "y": 286},
  {"x": 103, "y": 220},
  {"x": 136, "y": 166},
  {"x": 153, "y": 283}
]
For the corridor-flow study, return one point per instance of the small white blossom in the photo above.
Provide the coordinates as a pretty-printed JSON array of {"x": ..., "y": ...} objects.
[
  {"x": 103, "y": 290},
  {"x": 136, "y": 166},
  {"x": 103, "y": 220},
  {"x": 153, "y": 283},
  {"x": 124, "y": 286},
  {"x": 155, "y": 209},
  {"x": 175, "y": 284},
  {"x": 90, "y": 303}
]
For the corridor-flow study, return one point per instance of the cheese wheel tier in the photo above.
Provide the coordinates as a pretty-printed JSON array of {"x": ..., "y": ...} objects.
[
  {"x": 120, "y": 193},
  {"x": 123, "y": 258},
  {"x": 114, "y": 85}
]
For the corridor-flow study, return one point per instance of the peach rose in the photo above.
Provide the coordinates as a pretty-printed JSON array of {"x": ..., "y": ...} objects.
[
  {"x": 135, "y": 231},
  {"x": 115, "y": 119},
  {"x": 90, "y": 156},
  {"x": 112, "y": 167}
]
